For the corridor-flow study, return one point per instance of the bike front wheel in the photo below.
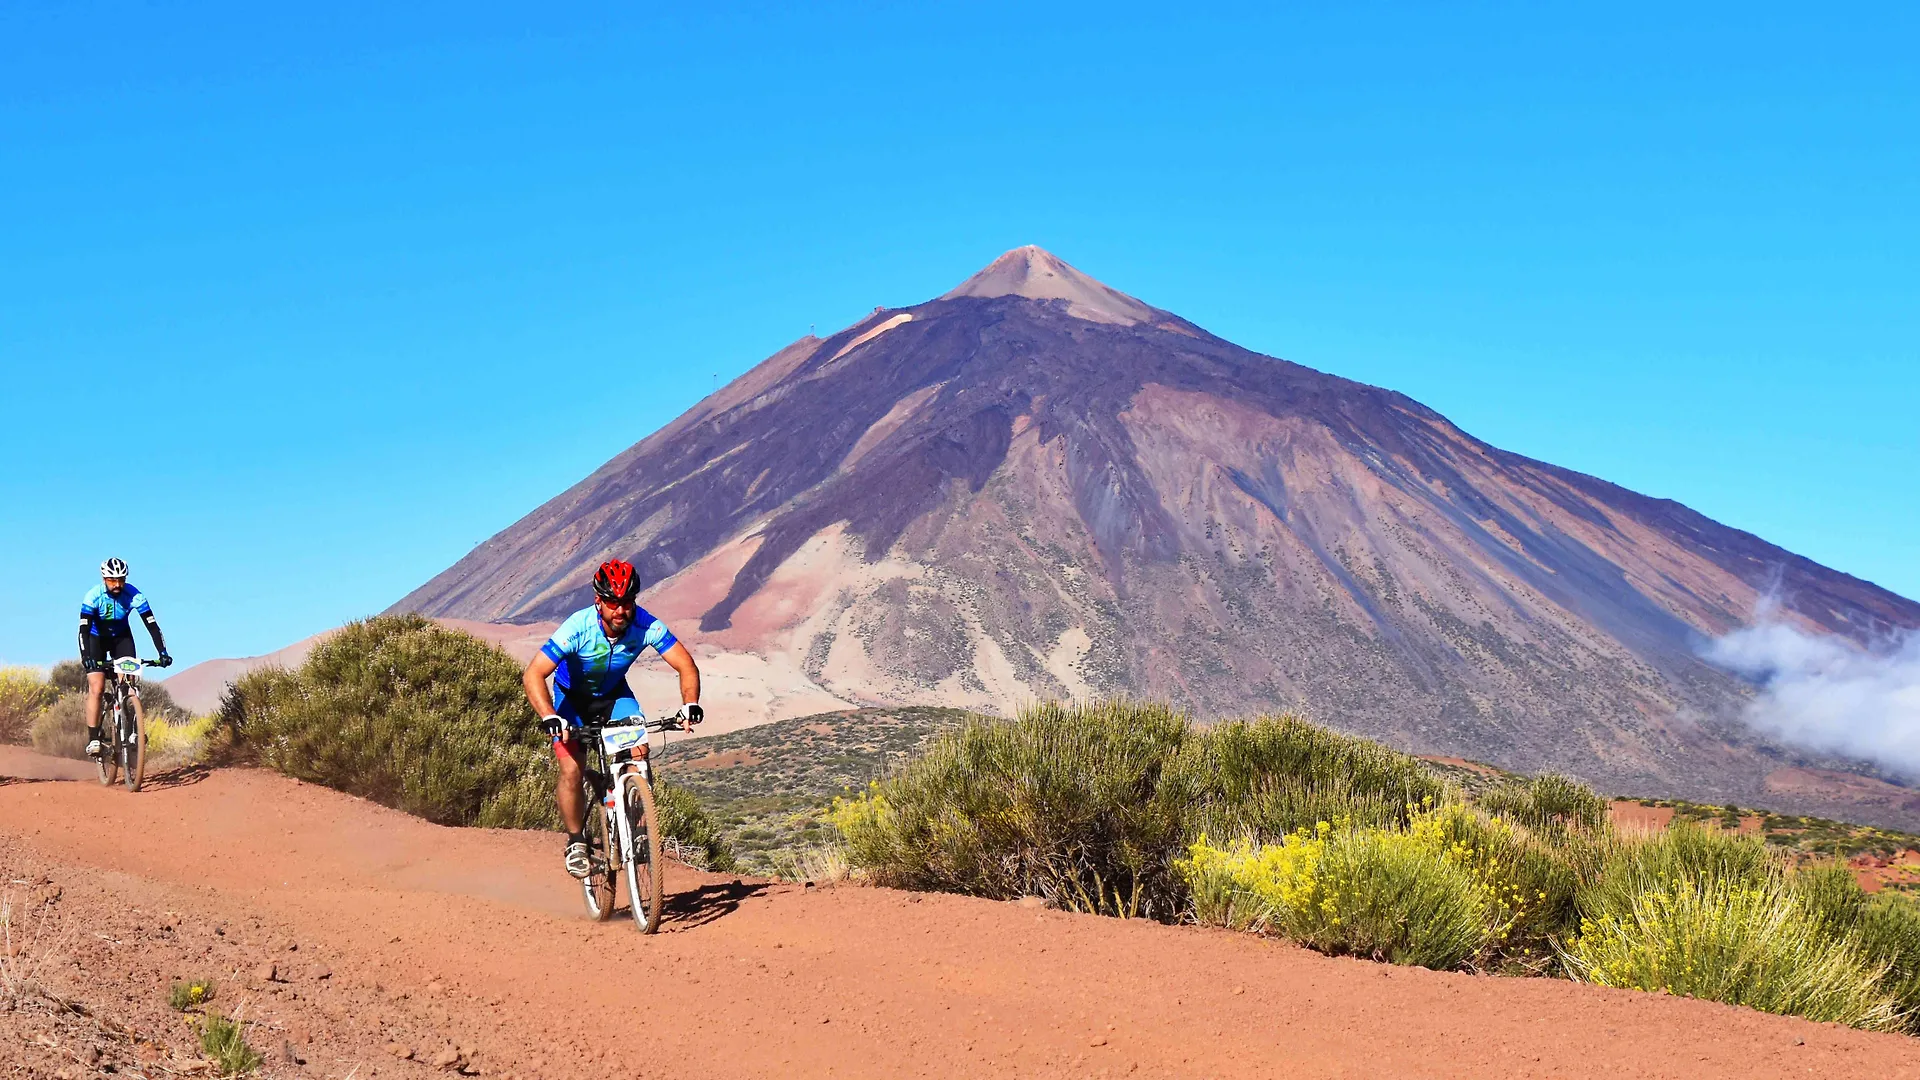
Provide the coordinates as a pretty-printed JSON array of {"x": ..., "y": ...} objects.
[
  {"x": 133, "y": 748},
  {"x": 645, "y": 862},
  {"x": 598, "y": 884},
  {"x": 108, "y": 763}
]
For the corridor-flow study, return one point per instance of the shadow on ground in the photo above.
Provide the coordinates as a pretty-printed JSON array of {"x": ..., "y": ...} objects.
[
  {"x": 177, "y": 777},
  {"x": 698, "y": 907}
]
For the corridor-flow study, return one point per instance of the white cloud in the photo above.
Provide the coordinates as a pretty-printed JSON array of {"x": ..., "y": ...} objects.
[{"x": 1824, "y": 693}]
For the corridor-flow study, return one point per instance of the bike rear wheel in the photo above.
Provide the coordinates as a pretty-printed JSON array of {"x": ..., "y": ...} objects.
[
  {"x": 108, "y": 763},
  {"x": 645, "y": 865},
  {"x": 133, "y": 746},
  {"x": 598, "y": 885}
]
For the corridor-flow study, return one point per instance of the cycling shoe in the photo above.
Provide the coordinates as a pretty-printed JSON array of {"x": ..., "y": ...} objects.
[{"x": 577, "y": 862}]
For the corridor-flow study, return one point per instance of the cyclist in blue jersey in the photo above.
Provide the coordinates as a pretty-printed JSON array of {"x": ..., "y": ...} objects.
[
  {"x": 106, "y": 635},
  {"x": 588, "y": 658}
]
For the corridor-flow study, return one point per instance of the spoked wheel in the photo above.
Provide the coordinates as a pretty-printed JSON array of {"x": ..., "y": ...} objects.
[
  {"x": 645, "y": 867},
  {"x": 133, "y": 748},
  {"x": 108, "y": 763},
  {"x": 598, "y": 885}
]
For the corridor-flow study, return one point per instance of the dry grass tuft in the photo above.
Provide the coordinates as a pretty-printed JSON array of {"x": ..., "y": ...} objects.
[
  {"x": 821, "y": 864},
  {"x": 30, "y": 937}
]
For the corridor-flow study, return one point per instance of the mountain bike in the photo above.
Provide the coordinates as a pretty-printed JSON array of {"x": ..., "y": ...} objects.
[
  {"x": 123, "y": 726},
  {"x": 623, "y": 826}
]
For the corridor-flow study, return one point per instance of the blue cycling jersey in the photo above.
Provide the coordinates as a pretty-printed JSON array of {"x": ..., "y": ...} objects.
[
  {"x": 103, "y": 610},
  {"x": 590, "y": 666}
]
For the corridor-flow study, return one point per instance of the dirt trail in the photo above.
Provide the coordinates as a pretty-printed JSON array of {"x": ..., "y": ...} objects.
[{"x": 388, "y": 935}]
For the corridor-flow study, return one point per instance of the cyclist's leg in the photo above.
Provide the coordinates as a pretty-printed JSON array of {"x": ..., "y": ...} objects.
[
  {"x": 93, "y": 660},
  {"x": 96, "y": 686},
  {"x": 568, "y": 755},
  {"x": 106, "y": 650}
]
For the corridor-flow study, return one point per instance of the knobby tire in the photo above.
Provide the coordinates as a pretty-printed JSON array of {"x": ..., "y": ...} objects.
[
  {"x": 645, "y": 879},
  {"x": 108, "y": 763},
  {"x": 133, "y": 765},
  {"x": 598, "y": 886}
]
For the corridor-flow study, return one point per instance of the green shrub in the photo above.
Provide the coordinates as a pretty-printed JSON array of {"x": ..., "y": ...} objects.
[
  {"x": 1887, "y": 930},
  {"x": 1533, "y": 884},
  {"x": 523, "y": 798},
  {"x": 685, "y": 821},
  {"x": 1630, "y": 866},
  {"x": 61, "y": 728},
  {"x": 1731, "y": 938},
  {"x": 1548, "y": 803},
  {"x": 1089, "y": 804},
  {"x": 407, "y": 713},
  {"x": 1394, "y": 896},
  {"x": 1250, "y": 886},
  {"x": 1267, "y": 777},
  {"x": 1058, "y": 802},
  {"x": 225, "y": 1041},
  {"x": 1830, "y": 893},
  {"x": 23, "y": 693},
  {"x": 67, "y": 677}
]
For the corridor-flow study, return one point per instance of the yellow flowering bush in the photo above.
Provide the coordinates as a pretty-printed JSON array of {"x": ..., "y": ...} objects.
[
  {"x": 172, "y": 738},
  {"x": 1532, "y": 884},
  {"x": 23, "y": 693},
  {"x": 1406, "y": 896},
  {"x": 1246, "y": 886},
  {"x": 1739, "y": 941}
]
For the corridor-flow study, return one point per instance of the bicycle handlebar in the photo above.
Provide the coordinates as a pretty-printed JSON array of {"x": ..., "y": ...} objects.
[{"x": 665, "y": 723}]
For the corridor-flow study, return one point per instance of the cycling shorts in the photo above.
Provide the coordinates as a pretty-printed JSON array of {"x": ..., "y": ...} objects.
[
  {"x": 589, "y": 709},
  {"x": 596, "y": 710},
  {"x": 102, "y": 649}
]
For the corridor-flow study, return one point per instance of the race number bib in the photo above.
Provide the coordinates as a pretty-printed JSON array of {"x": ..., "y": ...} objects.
[{"x": 622, "y": 738}]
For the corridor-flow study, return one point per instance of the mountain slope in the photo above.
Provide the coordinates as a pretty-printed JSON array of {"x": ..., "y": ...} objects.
[{"x": 1037, "y": 485}]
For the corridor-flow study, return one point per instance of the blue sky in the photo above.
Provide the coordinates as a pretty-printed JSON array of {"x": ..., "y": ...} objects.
[{"x": 298, "y": 303}]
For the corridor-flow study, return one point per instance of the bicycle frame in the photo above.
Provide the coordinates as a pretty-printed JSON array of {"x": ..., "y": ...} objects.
[
  {"x": 605, "y": 783},
  {"x": 622, "y": 751},
  {"x": 121, "y": 707}
]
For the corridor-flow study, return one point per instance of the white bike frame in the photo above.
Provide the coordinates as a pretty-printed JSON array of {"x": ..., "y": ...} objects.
[
  {"x": 616, "y": 740},
  {"x": 619, "y": 805}
]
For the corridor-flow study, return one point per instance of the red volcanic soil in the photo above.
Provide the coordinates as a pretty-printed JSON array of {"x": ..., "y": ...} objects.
[
  {"x": 1630, "y": 815},
  {"x": 367, "y": 943}
]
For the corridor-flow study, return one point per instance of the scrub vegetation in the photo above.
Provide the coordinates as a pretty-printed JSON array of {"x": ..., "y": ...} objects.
[
  {"x": 1275, "y": 826},
  {"x": 24, "y": 692}
]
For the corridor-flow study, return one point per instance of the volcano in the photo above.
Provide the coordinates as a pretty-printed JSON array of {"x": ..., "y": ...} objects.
[{"x": 1037, "y": 486}]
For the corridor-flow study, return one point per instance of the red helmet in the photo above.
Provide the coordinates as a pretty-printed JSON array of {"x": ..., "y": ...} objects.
[{"x": 615, "y": 580}]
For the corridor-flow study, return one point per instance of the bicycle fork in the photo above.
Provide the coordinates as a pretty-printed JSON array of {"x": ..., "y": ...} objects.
[{"x": 617, "y": 803}]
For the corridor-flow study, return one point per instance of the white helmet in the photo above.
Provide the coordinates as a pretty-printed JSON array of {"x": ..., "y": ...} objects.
[{"x": 114, "y": 568}]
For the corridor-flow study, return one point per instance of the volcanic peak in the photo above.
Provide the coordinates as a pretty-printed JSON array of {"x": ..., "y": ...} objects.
[{"x": 1038, "y": 274}]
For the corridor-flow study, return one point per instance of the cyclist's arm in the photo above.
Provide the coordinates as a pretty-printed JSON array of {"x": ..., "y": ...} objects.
[
  {"x": 534, "y": 681},
  {"x": 87, "y": 638},
  {"x": 681, "y": 661},
  {"x": 153, "y": 629}
]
